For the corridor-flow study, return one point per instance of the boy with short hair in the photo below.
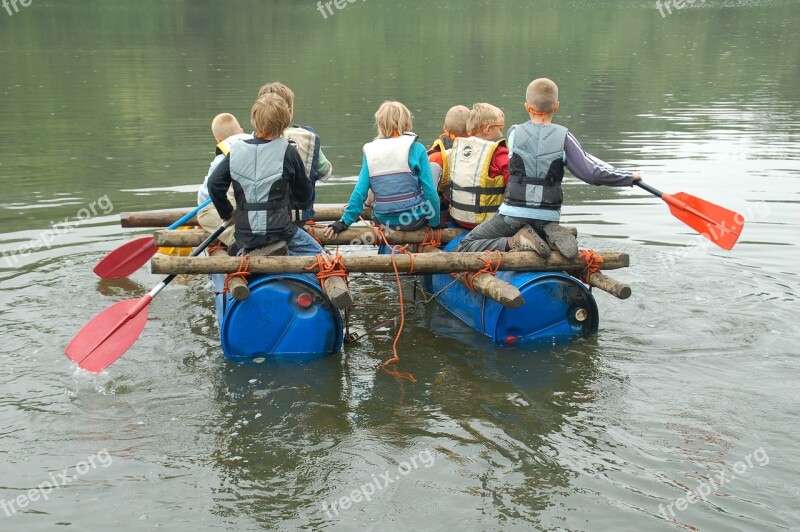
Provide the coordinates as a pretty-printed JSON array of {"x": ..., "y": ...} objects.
[
  {"x": 226, "y": 129},
  {"x": 455, "y": 126},
  {"x": 395, "y": 167},
  {"x": 540, "y": 150},
  {"x": 477, "y": 172},
  {"x": 307, "y": 143},
  {"x": 267, "y": 174}
]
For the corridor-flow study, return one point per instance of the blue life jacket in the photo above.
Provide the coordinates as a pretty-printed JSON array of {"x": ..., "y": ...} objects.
[{"x": 394, "y": 184}]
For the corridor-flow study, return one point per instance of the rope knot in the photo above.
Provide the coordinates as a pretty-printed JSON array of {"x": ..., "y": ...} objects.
[{"x": 593, "y": 262}]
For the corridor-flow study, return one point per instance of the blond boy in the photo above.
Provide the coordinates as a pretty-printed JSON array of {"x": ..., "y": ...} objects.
[{"x": 539, "y": 153}]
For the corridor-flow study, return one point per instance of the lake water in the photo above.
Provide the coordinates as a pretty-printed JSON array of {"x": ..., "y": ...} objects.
[{"x": 692, "y": 384}]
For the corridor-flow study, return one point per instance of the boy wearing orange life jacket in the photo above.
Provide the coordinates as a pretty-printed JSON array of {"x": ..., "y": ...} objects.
[{"x": 477, "y": 167}]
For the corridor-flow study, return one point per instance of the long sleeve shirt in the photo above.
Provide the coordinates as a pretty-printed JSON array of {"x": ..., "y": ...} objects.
[{"x": 418, "y": 162}]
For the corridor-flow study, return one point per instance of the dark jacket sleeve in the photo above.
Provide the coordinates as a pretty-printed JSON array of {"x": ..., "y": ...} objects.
[
  {"x": 295, "y": 171},
  {"x": 218, "y": 184}
]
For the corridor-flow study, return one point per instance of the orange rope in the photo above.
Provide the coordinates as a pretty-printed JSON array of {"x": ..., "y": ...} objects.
[
  {"x": 328, "y": 266},
  {"x": 488, "y": 267},
  {"x": 309, "y": 227},
  {"x": 219, "y": 245},
  {"x": 243, "y": 272},
  {"x": 593, "y": 262},
  {"x": 433, "y": 238}
]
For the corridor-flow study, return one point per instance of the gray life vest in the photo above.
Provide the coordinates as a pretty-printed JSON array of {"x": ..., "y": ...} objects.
[
  {"x": 308, "y": 145},
  {"x": 394, "y": 184},
  {"x": 262, "y": 193},
  {"x": 536, "y": 167}
]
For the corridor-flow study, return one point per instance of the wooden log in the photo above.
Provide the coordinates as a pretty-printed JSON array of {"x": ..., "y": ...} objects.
[
  {"x": 423, "y": 263},
  {"x": 338, "y": 292},
  {"x": 164, "y": 218},
  {"x": 490, "y": 286},
  {"x": 237, "y": 285},
  {"x": 612, "y": 286},
  {"x": 354, "y": 236}
]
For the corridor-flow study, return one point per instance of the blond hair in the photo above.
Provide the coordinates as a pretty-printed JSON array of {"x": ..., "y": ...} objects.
[
  {"x": 542, "y": 95},
  {"x": 276, "y": 87},
  {"x": 455, "y": 121},
  {"x": 392, "y": 118},
  {"x": 270, "y": 116},
  {"x": 482, "y": 115},
  {"x": 225, "y": 125}
]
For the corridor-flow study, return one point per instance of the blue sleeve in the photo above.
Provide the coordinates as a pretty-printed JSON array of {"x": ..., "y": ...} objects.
[
  {"x": 355, "y": 206},
  {"x": 418, "y": 161}
]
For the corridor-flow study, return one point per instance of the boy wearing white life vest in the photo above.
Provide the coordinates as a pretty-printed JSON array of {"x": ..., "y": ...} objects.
[
  {"x": 540, "y": 150},
  {"x": 226, "y": 129},
  {"x": 395, "y": 167},
  {"x": 455, "y": 126},
  {"x": 477, "y": 168},
  {"x": 267, "y": 175},
  {"x": 307, "y": 143}
]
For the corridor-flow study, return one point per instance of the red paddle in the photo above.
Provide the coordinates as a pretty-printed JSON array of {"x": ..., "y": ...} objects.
[
  {"x": 132, "y": 255},
  {"x": 716, "y": 223},
  {"x": 112, "y": 332}
]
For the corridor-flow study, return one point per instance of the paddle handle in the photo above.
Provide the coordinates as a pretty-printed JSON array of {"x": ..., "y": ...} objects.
[
  {"x": 198, "y": 250},
  {"x": 651, "y": 190},
  {"x": 190, "y": 215}
]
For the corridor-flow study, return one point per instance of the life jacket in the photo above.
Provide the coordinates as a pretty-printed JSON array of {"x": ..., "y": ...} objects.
[
  {"x": 536, "y": 168},
  {"x": 394, "y": 184},
  {"x": 475, "y": 195},
  {"x": 224, "y": 147},
  {"x": 308, "y": 144},
  {"x": 442, "y": 144},
  {"x": 263, "y": 201}
]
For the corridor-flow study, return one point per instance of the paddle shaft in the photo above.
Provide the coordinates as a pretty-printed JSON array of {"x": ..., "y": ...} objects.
[
  {"x": 190, "y": 215},
  {"x": 651, "y": 190}
]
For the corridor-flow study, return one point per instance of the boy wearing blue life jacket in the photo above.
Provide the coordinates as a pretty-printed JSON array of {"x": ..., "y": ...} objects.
[
  {"x": 267, "y": 175},
  {"x": 308, "y": 144},
  {"x": 540, "y": 150},
  {"x": 226, "y": 129},
  {"x": 395, "y": 168}
]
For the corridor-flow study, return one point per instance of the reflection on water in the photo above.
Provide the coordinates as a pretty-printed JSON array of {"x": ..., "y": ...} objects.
[{"x": 689, "y": 376}]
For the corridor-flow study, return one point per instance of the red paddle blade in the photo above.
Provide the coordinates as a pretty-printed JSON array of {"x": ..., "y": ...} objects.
[
  {"x": 112, "y": 332},
  {"x": 718, "y": 224},
  {"x": 127, "y": 258}
]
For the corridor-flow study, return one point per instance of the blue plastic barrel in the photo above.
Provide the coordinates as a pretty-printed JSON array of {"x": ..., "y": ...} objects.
[
  {"x": 557, "y": 307},
  {"x": 286, "y": 317}
]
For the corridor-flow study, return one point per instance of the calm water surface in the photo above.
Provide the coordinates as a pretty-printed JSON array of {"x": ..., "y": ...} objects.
[{"x": 106, "y": 107}]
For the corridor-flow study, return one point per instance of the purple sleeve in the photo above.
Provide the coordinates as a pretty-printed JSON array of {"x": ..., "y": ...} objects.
[{"x": 589, "y": 168}]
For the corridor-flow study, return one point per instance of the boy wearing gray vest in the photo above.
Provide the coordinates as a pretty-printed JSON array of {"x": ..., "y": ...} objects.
[
  {"x": 540, "y": 150},
  {"x": 268, "y": 176}
]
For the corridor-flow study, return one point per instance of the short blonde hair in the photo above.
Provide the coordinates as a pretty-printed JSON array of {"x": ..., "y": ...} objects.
[
  {"x": 270, "y": 116},
  {"x": 276, "y": 87},
  {"x": 225, "y": 125},
  {"x": 392, "y": 117},
  {"x": 455, "y": 121},
  {"x": 482, "y": 115},
  {"x": 542, "y": 95}
]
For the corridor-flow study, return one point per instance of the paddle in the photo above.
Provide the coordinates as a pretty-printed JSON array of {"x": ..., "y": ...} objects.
[
  {"x": 716, "y": 223},
  {"x": 131, "y": 256},
  {"x": 112, "y": 332}
]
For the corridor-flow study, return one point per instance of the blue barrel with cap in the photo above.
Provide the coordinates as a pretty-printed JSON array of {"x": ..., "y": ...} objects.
[
  {"x": 287, "y": 317},
  {"x": 557, "y": 307}
]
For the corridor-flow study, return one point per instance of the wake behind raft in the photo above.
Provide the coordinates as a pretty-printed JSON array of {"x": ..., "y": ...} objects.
[{"x": 291, "y": 308}]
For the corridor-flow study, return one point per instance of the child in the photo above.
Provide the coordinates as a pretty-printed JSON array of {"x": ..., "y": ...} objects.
[
  {"x": 455, "y": 126},
  {"x": 478, "y": 167},
  {"x": 395, "y": 167},
  {"x": 226, "y": 129},
  {"x": 267, "y": 174},
  {"x": 532, "y": 207},
  {"x": 307, "y": 142}
]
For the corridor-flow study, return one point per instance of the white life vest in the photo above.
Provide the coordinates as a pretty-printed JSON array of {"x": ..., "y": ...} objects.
[{"x": 475, "y": 195}]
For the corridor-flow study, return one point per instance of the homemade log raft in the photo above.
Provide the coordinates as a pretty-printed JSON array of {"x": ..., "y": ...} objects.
[{"x": 164, "y": 218}]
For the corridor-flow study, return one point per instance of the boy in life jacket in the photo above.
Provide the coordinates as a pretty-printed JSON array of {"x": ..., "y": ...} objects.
[
  {"x": 395, "y": 167},
  {"x": 267, "y": 175},
  {"x": 531, "y": 210},
  {"x": 226, "y": 129},
  {"x": 308, "y": 144},
  {"x": 478, "y": 167},
  {"x": 455, "y": 126}
]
